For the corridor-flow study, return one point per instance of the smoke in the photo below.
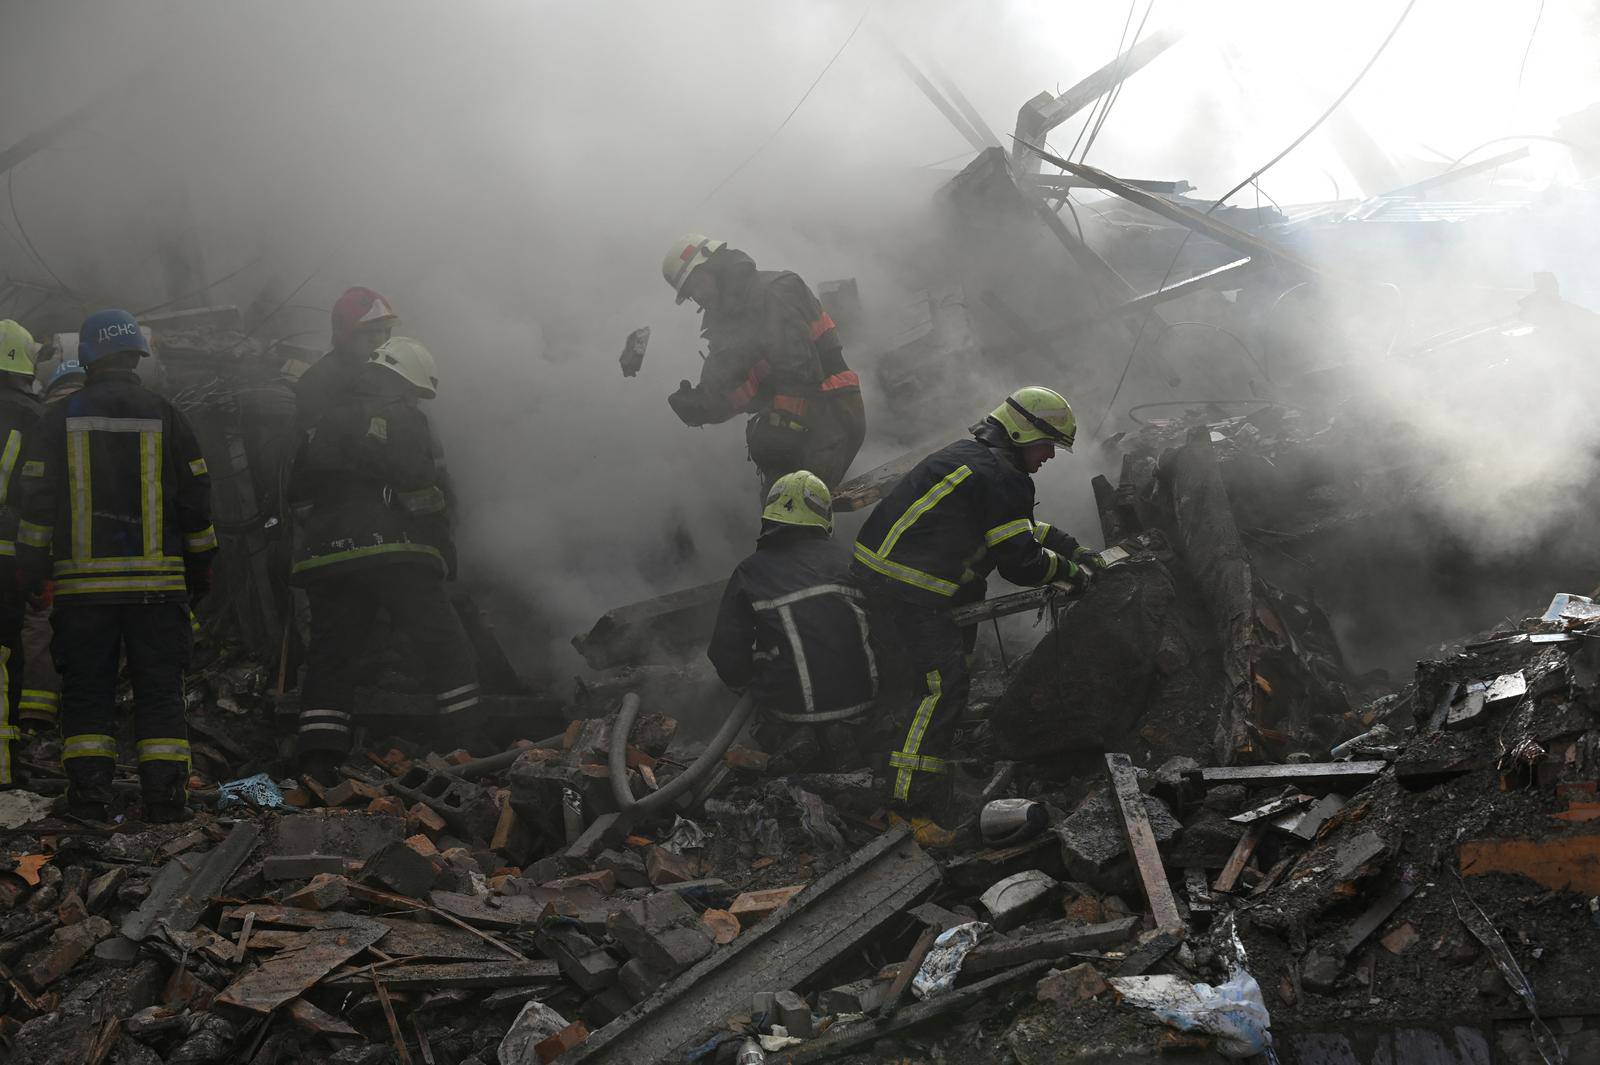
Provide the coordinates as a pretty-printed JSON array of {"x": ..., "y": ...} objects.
[{"x": 510, "y": 174}]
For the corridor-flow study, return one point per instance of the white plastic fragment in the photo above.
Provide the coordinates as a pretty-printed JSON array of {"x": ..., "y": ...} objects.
[{"x": 943, "y": 963}]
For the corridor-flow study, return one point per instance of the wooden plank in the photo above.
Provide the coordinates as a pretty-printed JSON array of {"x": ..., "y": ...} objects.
[
  {"x": 317, "y": 1021},
  {"x": 1308, "y": 772},
  {"x": 908, "y": 970},
  {"x": 405, "y": 937},
  {"x": 1242, "y": 852},
  {"x": 402, "y": 977},
  {"x": 389, "y": 1017},
  {"x": 1142, "y": 842},
  {"x": 295, "y": 970},
  {"x": 1047, "y": 945}
]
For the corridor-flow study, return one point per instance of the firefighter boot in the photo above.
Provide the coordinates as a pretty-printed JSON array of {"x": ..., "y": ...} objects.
[
  {"x": 164, "y": 787},
  {"x": 89, "y": 788}
]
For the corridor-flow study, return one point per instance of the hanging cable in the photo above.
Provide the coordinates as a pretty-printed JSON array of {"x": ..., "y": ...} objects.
[
  {"x": 209, "y": 285},
  {"x": 1532, "y": 33},
  {"x": 11, "y": 199},
  {"x": 1144, "y": 319},
  {"x": 1116, "y": 91},
  {"x": 804, "y": 96}
]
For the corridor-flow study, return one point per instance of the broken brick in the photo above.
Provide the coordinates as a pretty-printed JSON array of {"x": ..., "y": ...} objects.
[
  {"x": 1401, "y": 939},
  {"x": 387, "y": 804},
  {"x": 752, "y": 906},
  {"x": 723, "y": 926},
  {"x": 350, "y": 791},
  {"x": 422, "y": 845},
  {"x": 572, "y": 1035},
  {"x": 422, "y": 818},
  {"x": 327, "y": 891},
  {"x": 663, "y": 867}
]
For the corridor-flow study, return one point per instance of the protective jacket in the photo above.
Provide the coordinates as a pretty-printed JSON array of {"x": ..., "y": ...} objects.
[
  {"x": 791, "y": 625},
  {"x": 19, "y": 410},
  {"x": 773, "y": 352},
  {"x": 116, "y": 499},
  {"x": 365, "y": 486},
  {"x": 962, "y": 512},
  {"x": 325, "y": 384}
]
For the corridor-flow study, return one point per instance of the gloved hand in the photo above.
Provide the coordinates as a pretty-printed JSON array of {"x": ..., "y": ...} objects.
[
  {"x": 1089, "y": 558},
  {"x": 685, "y": 404},
  {"x": 197, "y": 579},
  {"x": 1076, "y": 579}
]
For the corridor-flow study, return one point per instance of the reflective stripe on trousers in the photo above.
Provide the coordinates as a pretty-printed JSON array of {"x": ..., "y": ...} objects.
[{"x": 909, "y": 759}]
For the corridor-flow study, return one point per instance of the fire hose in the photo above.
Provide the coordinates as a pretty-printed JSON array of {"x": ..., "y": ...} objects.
[{"x": 683, "y": 781}]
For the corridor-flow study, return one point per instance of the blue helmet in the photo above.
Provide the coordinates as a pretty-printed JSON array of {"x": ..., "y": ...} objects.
[
  {"x": 108, "y": 332},
  {"x": 66, "y": 371}
]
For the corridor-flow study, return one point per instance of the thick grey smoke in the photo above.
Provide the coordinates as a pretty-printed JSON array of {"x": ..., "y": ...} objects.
[{"x": 509, "y": 175}]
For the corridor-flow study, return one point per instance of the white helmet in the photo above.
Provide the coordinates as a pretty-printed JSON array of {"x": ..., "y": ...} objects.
[
  {"x": 409, "y": 359},
  {"x": 684, "y": 256}
]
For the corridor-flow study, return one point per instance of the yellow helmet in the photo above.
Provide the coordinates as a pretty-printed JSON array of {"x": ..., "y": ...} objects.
[
  {"x": 409, "y": 359},
  {"x": 684, "y": 256},
  {"x": 16, "y": 349},
  {"x": 800, "y": 498},
  {"x": 1036, "y": 413}
]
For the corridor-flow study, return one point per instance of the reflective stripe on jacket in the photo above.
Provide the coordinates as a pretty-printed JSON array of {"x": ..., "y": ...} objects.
[
  {"x": 961, "y": 512},
  {"x": 792, "y": 627},
  {"x": 116, "y": 498},
  {"x": 19, "y": 412}
]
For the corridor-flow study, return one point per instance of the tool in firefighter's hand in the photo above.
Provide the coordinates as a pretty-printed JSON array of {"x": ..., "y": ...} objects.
[
  {"x": 633, "y": 351},
  {"x": 1033, "y": 598}
]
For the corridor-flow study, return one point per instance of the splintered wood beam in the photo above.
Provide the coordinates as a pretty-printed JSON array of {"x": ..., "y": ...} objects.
[{"x": 1142, "y": 842}]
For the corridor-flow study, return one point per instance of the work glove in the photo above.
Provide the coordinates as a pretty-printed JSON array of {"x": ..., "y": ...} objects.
[
  {"x": 685, "y": 403},
  {"x": 1088, "y": 558},
  {"x": 1075, "y": 580}
]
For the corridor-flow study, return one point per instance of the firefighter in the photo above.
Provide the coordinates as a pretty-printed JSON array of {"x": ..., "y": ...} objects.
[
  {"x": 362, "y": 320},
  {"x": 774, "y": 355},
  {"x": 19, "y": 410},
  {"x": 41, "y": 684},
  {"x": 116, "y": 511},
  {"x": 792, "y": 626},
  {"x": 365, "y": 489},
  {"x": 961, "y": 512}
]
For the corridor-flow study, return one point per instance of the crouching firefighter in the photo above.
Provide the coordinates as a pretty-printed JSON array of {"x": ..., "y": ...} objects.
[
  {"x": 793, "y": 628},
  {"x": 775, "y": 355},
  {"x": 116, "y": 511},
  {"x": 365, "y": 489},
  {"x": 960, "y": 513}
]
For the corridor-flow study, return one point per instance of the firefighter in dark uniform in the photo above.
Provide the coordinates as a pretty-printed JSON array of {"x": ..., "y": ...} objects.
[
  {"x": 365, "y": 489},
  {"x": 116, "y": 511},
  {"x": 19, "y": 410},
  {"x": 775, "y": 355},
  {"x": 961, "y": 512},
  {"x": 794, "y": 627},
  {"x": 41, "y": 684},
  {"x": 362, "y": 320}
]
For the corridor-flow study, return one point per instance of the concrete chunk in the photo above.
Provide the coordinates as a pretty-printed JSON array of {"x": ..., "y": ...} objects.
[
  {"x": 793, "y": 1014},
  {"x": 860, "y": 996},
  {"x": 401, "y": 869},
  {"x": 1017, "y": 899}
]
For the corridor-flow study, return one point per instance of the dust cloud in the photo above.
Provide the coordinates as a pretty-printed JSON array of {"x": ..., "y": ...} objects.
[{"x": 510, "y": 174}]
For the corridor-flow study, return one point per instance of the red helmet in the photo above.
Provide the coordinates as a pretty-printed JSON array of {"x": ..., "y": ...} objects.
[{"x": 358, "y": 307}]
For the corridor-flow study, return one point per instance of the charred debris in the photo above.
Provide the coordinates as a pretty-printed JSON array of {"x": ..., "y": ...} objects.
[{"x": 1204, "y": 832}]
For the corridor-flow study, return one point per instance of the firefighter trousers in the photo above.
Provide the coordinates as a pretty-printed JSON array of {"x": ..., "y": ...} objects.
[
  {"x": 343, "y": 609},
  {"x": 926, "y": 642},
  {"x": 88, "y": 646},
  {"x": 12, "y": 609}
]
